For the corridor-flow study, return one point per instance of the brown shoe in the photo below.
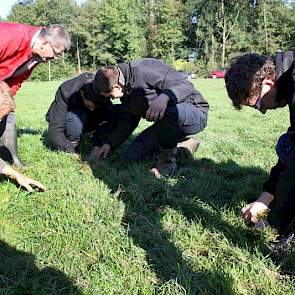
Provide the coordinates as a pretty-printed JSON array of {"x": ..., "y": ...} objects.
[
  {"x": 187, "y": 148},
  {"x": 166, "y": 164}
]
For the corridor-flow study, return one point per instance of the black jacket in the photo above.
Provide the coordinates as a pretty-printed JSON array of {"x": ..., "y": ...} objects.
[
  {"x": 145, "y": 79},
  {"x": 285, "y": 72},
  {"x": 69, "y": 97}
]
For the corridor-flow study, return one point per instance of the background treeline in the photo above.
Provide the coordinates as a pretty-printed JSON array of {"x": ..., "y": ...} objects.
[{"x": 192, "y": 35}]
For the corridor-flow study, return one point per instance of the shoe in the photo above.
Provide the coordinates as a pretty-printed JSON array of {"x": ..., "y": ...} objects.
[
  {"x": 166, "y": 164},
  {"x": 187, "y": 148}
]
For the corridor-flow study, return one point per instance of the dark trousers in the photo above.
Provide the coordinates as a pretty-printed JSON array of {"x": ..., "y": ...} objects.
[
  {"x": 75, "y": 122},
  {"x": 282, "y": 209},
  {"x": 82, "y": 121},
  {"x": 179, "y": 121}
]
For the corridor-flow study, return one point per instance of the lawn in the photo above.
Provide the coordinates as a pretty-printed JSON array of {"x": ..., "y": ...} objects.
[{"x": 115, "y": 229}]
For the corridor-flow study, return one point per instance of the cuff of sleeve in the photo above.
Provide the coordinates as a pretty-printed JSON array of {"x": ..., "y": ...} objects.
[
  {"x": 269, "y": 187},
  {"x": 171, "y": 95}
]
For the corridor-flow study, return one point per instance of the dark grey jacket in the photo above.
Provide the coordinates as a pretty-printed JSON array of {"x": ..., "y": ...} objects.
[{"x": 68, "y": 98}]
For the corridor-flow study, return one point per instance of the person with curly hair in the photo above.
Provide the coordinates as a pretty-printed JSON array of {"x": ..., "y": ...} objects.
[{"x": 267, "y": 83}]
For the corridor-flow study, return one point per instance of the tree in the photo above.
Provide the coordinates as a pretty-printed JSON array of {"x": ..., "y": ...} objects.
[
  {"x": 124, "y": 23},
  {"x": 169, "y": 36}
]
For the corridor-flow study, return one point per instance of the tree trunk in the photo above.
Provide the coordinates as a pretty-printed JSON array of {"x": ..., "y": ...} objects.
[
  {"x": 78, "y": 58},
  {"x": 49, "y": 70},
  {"x": 265, "y": 26},
  {"x": 213, "y": 50},
  {"x": 63, "y": 61},
  {"x": 224, "y": 28},
  {"x": 152, "y": 20}
]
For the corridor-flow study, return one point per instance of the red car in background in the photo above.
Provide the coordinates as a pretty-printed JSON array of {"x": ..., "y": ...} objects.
[{"x": 216, "y": 74}]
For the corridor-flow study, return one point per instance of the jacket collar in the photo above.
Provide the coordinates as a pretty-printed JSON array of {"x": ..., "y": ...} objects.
[{"x": 130, "y": 75}]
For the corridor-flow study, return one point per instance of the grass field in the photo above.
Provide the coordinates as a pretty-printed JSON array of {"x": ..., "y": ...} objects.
[{"x": 117, "y": 230}]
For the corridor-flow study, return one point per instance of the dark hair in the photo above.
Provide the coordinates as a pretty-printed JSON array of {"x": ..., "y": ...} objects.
[
  {"x": 105, "y": 78},
  {"x": 89, "y": 94},
  {"x": 244, "y": 76},
  {"x": 57, "y": 35}
]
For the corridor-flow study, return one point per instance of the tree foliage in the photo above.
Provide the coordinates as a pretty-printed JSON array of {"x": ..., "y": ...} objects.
[{"x": 210, "y": 32}]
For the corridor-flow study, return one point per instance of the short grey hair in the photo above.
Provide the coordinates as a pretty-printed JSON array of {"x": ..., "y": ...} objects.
[{"x": 57, "y": 35}]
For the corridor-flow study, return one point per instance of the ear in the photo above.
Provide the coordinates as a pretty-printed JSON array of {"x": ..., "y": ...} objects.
[{"x": 117, "y": 86}]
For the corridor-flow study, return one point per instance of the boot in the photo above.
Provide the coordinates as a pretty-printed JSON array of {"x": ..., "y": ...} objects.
[
  {"x": 187, "y": 148},
  {"x": 9, "y": 141},
  {"x": 166, "y": 164}
]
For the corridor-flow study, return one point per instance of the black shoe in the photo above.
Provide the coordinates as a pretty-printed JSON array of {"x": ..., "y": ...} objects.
[{"x": 284, "y": 246}]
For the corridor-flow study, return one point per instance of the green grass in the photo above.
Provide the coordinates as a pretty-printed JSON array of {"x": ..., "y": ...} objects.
[{"x": 117, "y": 230}]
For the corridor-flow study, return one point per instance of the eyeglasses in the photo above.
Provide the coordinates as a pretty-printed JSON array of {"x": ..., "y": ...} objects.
[{"x": 55, "y": 54}]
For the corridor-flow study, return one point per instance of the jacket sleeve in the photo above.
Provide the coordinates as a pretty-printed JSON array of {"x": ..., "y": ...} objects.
[
  {"x": 123, "y": 129},
  {"x": 57, "y": 113},
  {"x": 271, "y": 184},
  {"x": 283, "y": 61},
  {"x": 10, "y": 45},
  {"x": 166, "y": 80},
  {"x": 15, "y": 83}
]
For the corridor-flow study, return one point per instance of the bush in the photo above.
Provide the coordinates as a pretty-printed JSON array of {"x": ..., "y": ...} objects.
[
  {"x": 185, "y": 66},
  {"x": 199, "y": 67},
  {"x": 202, "y": 68}
]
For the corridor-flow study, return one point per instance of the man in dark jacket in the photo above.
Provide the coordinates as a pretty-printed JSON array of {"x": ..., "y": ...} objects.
[
  {"x": 266, "y": 83},
  {"x": 150, "y": 89},
  {"x": 76, "y": 110}
]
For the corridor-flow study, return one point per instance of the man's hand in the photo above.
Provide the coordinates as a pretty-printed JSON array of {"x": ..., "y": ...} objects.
[
  {"x": 251, "y": 211},
  {"x": 27, "y": 182},
  {"x": 99, "y": 153},
  {"x": 157, "y": 108}
]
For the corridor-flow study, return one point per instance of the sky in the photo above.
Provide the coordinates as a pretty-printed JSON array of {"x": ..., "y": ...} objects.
[{"x": 5, "y": 6}]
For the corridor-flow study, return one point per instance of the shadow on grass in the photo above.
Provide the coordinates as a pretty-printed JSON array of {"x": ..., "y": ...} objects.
[
  {"x": 20, "y": 275},
  {"x": 29, "y": 131},
  {"x": 201, "y": 192}
]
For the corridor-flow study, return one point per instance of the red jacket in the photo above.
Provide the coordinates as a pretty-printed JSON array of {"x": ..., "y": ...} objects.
[{"x": 15, "y": 49}]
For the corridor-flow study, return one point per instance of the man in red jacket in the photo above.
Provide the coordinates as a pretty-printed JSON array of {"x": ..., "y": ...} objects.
[{"x": 22, "y": 47}]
